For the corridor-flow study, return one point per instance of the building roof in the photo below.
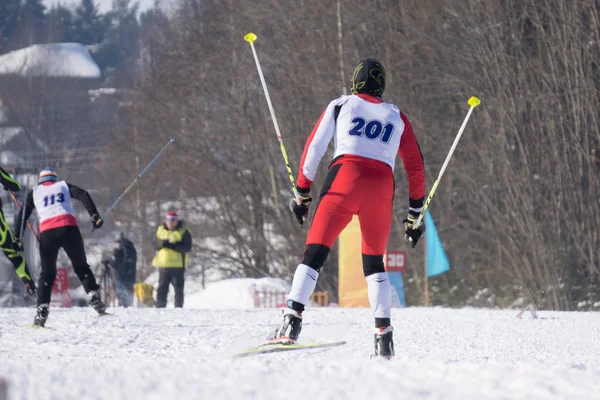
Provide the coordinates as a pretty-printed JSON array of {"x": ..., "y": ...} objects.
[{"x": 70, "y": 60}]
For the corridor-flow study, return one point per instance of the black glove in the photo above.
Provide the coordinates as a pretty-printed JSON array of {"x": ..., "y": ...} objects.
[
  {"x": 17, "y": 245},
  {"x": 412, "y": 233},
  {"x": 97, "y": 221},
  {"x": 168, "y": 245},
  {"x": 301, "y": 210}
]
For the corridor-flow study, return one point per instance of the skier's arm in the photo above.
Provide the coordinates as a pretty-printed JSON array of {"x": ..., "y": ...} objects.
[
  {"x": 8, "y": 182},
  {"x": 315, "y": 147},
  {"x": 411, "y": 156},
  {"x": 28, "y": 209},
  {"x": 84, "y": 197}
]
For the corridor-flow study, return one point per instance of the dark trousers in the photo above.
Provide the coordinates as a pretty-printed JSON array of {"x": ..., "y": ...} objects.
[
  {"x": 124, "y": 291},
  {"x": 69, "y": 238},
  {"x": 167, "y": 276}
]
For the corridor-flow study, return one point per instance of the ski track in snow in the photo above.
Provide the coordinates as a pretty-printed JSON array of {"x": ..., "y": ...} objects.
[{"x": 186, "y": 354}]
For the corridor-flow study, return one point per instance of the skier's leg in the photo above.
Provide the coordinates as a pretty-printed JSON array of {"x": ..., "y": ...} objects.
[
  {"x": 22, "y": 270},
  {"x": 375, "y": 223},
  {"x": 164, "y": 279},
  {"x": 49, "y": 248},
  {"x": 72, "y": 243},
  {"x": 178, "y": 284},
  {"x": 16, "y": 258},
  {"x": 129, "y": 292},
  {"x": 333, "y": 213},
  {"x": 121, "y": 290}
]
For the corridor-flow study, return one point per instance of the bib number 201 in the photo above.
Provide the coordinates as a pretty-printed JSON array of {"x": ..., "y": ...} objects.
[
  {"x": 49, "y": 200},
  {"x": 372, "y": 129}
]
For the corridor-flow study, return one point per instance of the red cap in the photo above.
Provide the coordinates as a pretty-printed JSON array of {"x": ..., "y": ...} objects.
[{"x": 171, "y": 216}]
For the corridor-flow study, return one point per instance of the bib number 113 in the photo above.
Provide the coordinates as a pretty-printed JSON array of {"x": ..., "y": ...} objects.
[{"x": 49, "y": 200}]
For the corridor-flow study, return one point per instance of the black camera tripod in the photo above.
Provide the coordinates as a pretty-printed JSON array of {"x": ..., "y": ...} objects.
[{"x": 107, "y": 286}]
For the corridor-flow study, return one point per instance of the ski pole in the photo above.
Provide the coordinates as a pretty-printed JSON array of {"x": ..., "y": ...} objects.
[
  {"x": 23, "y": 217},
  {"x": 23, "y": 214},
  {"x": 473, "y": 102},
  {"x": 250, "y": 38},
  {"x": 171, "y": 139}
]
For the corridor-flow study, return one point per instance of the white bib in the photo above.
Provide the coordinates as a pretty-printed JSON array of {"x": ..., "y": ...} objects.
[
  {"x": 366, "y": 129},
  {"x": 52, "y": 200},
  {"x": 371, "y": 130}
]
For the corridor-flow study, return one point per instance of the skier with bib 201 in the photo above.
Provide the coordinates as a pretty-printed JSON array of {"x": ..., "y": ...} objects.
[
  {"x": 58, "y": 229},
  {"x": 367, "y": 133}
]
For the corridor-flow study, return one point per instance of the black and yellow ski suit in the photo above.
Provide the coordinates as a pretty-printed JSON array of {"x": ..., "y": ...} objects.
[{"x": 7, "y": 237}]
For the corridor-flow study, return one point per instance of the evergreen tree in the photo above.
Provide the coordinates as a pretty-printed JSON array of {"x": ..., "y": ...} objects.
[
  {"x": 61, "y": 25},
  {"x": 32, "y": 23},
  {"x": 90, "y": 27},
  {"x": 9, "y": 21},
  {"x": 119, "y": 53}
]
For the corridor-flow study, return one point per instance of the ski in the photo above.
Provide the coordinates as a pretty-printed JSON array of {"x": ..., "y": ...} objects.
[
  {"x": 104, "y": 314},
  {"x": 35, "y": 327},
  {"x": 279, "y": 347}
]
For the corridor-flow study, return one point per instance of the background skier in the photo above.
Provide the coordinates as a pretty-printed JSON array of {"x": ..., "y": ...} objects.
[{"x": 58, "y": 228}]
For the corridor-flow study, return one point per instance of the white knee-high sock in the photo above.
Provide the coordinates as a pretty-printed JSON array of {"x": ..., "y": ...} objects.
[
  {"x": 305, "y": 280},
  {"x": 380, "y": 294}
]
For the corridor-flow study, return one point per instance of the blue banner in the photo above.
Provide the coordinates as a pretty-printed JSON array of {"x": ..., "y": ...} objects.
[
  {"x": 437, "y": 262},
  {"x": 398, "y": 287}
]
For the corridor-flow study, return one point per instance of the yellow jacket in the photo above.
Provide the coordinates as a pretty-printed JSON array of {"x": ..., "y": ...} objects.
[{"x": 175, "y": 244}]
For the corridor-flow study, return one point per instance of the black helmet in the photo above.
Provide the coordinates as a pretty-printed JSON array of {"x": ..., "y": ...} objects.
[{"x": 368, "y": 77}]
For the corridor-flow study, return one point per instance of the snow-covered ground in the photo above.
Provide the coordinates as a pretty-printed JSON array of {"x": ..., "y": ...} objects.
[{"x": 186, "y": 354}]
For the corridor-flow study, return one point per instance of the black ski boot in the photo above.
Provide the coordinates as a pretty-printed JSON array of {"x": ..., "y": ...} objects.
[
  {"x": 42, "y": 315},
  {"x": 290, "y": 328},
  {"x": 95, "y": 301},
  {"x": 384, "y": 342},
  {"x": 30, "y": 287}
]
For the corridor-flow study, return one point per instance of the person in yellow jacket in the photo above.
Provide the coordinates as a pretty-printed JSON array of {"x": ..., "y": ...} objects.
[{"x": 174, "y": 242}]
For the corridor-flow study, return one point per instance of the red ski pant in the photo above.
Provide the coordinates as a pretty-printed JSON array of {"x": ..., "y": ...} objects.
[{"x": 355, "y": 186}]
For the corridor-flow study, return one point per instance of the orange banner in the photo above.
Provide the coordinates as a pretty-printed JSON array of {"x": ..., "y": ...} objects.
[{"x": 352, "y": 285}]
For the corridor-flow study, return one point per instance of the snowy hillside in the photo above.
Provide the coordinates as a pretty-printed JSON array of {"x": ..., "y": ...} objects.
[
  {"x": 234, "y": 293},
  {"x": 185, "y": 354},
  {"x": 227, "y": 293}
]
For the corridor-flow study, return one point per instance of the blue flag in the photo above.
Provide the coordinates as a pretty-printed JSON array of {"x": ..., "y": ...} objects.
[{"x": 437, "y": 262}]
